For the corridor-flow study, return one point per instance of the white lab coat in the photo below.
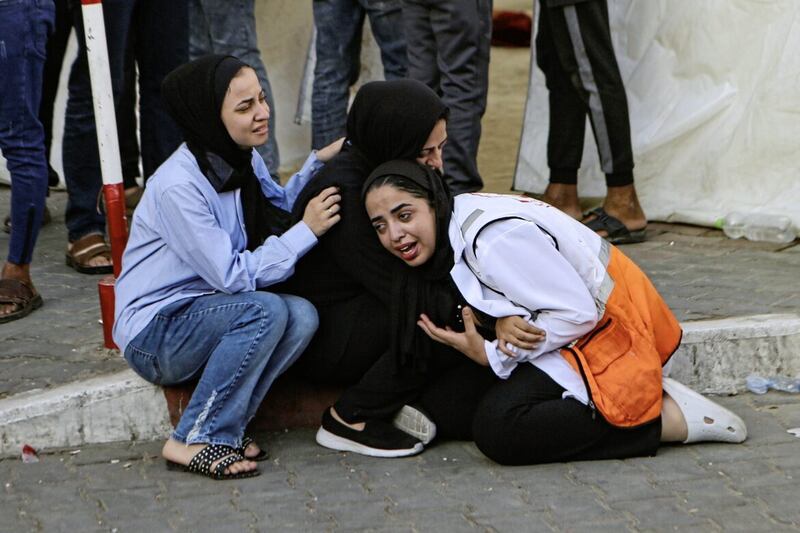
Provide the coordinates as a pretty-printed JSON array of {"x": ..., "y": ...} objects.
[{"x": 518, "y": 256}]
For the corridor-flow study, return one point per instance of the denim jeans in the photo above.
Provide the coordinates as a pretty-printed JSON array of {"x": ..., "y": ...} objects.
[
  {"x": 237, "y": 344},
  {"x": 339, "y": 28},
  {"x": 229, "y": 27},
  {"x": 159, "y": 34},
  {"x": 24, "y": 27}
]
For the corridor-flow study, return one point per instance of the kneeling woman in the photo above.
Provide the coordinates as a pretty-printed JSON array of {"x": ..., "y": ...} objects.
[
  {"x": 593, "y": 389},
  {"x": 210, "y": 231}
]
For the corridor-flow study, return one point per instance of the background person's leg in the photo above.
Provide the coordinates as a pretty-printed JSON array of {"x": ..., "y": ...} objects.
[
  {"x": 463, "y": 31},
  {"x": 567, "y": 112},
  {"x": 127, "y": 123},
  {"x": 339, "y": 24},
  {"x": 386, "y": 23},
  {"x": 524, "y": 420},
  {"x": 80, "y": 154},
  {"x": 56, "y": 47},
  {"x": 229, "y": 27},
  {"x": 165, "y": 23},
  {"x": 24, "y": 29},
  {"x": 591, "y": 64},
  {"x": 420, "y": 43}
]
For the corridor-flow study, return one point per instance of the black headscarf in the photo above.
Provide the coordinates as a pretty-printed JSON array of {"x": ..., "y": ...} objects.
[
  {"x": 429, "y": 287},
  {"x": 393, "y": 119},
  {"x": 193, "y": 94}
]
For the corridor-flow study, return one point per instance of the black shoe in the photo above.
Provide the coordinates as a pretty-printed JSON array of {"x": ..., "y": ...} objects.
[{"x": 377, "y": 439}]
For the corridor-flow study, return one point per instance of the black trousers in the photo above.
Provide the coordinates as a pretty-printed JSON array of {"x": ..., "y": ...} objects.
[
  {"x": 574, "y": 50},
  {"x": 352, "y": 336},
  {"x": 449, "y": 391},
  {"x": 448, "y": 43},
  {"x": 524, "y": 420}
]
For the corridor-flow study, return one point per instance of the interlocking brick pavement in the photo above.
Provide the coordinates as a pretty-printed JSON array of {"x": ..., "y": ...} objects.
[{"x": 450, "y": 487}]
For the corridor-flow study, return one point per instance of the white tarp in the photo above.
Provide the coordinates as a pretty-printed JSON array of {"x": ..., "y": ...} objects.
[{"x": 714, "y": 96}]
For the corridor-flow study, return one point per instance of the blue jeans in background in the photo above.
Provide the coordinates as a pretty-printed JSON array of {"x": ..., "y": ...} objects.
[
  {"x": 229, "y": 27},
  {"x": 236, "y": 344},
  {"x": 158, "y": 31},
  {"x": 339, "y": 28},
  {"x": 24, "y": 28}
]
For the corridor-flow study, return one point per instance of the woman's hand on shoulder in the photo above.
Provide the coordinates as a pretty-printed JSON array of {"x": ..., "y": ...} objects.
[
  {"x": 322, "y": 212},
  {"x": 470, "y": 342},
  {"x": 518, "y": 332},
  {"x": 327, "y": 153}
]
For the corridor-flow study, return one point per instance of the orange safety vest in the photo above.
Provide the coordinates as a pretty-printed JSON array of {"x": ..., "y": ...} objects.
[{"x": 620, "y": 360}]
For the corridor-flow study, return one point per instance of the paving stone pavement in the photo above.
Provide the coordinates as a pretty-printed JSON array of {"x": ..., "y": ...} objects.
[{"x": 450, "y": 487}]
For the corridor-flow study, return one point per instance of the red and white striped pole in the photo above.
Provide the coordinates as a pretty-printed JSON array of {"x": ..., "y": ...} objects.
[{"x": 94, "y": 29}]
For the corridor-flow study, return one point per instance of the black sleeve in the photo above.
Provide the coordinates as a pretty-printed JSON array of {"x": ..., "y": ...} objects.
[{"x": 354, "y": 246}]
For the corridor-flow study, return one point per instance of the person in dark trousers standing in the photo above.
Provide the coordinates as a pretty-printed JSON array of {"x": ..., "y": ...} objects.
[
  {"x": 448, "y": 44},
  {"x": 574, "y": 50},
  {"x": 339, "y": 25},
  {"x": 139, "y": 24},
  {"x": 24, "y": 29}
]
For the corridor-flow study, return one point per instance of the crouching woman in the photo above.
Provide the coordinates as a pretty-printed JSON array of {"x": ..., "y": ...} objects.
[
  {"x": 593, "y": 388},
  {"x": 210, "y": 232}
]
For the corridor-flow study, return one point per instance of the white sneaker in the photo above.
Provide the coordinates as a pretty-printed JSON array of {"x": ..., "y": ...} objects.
[
  {"x": 705, "y": 420},
  {"x": 415, "y": 423}
]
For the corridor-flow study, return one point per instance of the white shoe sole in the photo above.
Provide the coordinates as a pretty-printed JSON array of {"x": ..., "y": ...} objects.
[
  {"x": 705, "y": 420},
  {"x": 416, "y": 424},
  {"x": 334, "y": 442}
]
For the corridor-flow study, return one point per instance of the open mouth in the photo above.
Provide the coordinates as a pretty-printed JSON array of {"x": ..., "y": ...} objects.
[{"x": 408, "y": 251}]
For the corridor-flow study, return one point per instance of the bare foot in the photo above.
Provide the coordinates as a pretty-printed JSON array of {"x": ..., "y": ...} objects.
[
  {"x": 181, "y": 453},
  {"x": 623, "y": 204},
  {"x": 20, "y": 273},
  {"x": 252, "y": 450},
  {"x": 358, "y": 426},
  {"x": 673, "y": 424},
  {"x": 563, "y": 197}
]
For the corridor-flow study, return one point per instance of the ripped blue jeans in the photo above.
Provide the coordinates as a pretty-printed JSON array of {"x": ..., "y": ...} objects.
[{"x": 236, "y": 344}]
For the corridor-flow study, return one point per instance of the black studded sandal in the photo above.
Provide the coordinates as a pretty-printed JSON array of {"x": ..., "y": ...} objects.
[
  {"x": 263, "y": 455},
  {"x": 202, "y": 461}
]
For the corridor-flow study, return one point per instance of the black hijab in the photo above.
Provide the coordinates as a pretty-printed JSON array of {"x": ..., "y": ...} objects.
[
  {"x": 193, "y": 94},
  {"x": 428, "y": 288},
  {"x": 393, "y": 119}
]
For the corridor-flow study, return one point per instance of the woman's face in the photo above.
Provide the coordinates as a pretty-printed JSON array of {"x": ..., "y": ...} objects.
[
  {"x": 406, "y": 224},
  {"x": 431, "y": 153},
  {"x": 244, "y": 111}
]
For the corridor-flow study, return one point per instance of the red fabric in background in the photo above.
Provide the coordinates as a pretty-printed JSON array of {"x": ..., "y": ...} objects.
[{"x": 511, "y": 29}]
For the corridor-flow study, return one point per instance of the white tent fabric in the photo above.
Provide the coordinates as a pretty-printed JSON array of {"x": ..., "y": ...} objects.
[{"x": 714, "y": 96}]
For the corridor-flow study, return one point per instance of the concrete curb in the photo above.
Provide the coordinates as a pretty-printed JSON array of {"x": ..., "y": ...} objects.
[
  {"x": 715, "y": 357},
  {"x": 109, "y": 408}
]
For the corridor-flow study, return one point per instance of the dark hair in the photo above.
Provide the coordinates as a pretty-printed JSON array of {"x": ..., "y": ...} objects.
[{"x": 403, "y": 184}]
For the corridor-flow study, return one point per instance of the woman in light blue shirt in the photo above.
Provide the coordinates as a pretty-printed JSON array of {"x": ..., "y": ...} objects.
[{"x": 213, "y": 229}]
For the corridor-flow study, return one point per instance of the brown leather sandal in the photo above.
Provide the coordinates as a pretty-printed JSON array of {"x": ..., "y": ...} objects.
[
  {"x": 84, "y": 250},
  {"x": 22, "y": 295}
]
